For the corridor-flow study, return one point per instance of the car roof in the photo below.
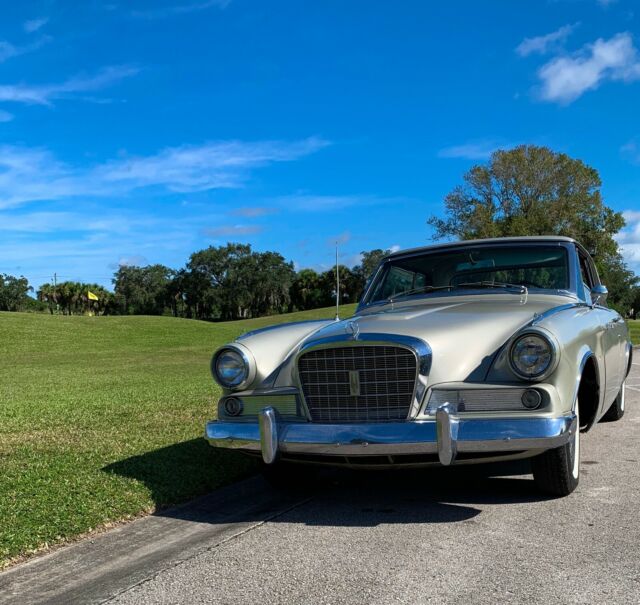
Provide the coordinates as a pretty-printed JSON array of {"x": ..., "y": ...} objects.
[{"x": 529, "y": 239}]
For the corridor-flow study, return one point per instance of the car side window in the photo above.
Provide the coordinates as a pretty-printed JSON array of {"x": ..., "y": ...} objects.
[{"x": 586, "y": 276}]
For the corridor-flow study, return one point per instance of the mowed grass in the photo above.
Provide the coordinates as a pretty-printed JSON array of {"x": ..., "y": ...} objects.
[
  {"x": 101, "y": 419},
  {"x": 634, "y": 326}
]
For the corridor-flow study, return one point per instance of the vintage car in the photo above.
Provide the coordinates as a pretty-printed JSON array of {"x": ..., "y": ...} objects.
[{"x": 463, "y": 352}]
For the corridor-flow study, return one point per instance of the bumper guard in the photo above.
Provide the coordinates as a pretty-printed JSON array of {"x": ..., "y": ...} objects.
[{"x": 447, "y": 436}]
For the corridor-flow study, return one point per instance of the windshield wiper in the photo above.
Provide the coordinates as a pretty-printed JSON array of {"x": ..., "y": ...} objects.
[
  {"x": 519, "y": 288},
  {"x": 395, "y": 297}
]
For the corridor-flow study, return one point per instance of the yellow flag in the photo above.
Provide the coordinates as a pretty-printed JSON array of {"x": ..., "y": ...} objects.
[{"x": 91, "y": 295}]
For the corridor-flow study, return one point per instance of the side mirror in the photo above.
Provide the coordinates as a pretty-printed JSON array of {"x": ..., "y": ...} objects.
[{"x": 599, "y": 294}]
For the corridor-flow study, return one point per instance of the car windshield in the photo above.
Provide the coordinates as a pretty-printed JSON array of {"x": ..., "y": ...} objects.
[{"x": 484, "y": 267}]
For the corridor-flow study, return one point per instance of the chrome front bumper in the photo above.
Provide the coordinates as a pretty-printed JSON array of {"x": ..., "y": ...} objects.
[{"x": 447, "y": 435}]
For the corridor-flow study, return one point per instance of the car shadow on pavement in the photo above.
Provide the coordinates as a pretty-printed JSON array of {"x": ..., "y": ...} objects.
[{"x": 332, "y": 497}]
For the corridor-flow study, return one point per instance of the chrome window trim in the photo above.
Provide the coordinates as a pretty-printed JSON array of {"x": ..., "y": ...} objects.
[{"x": 417, "y": 346}]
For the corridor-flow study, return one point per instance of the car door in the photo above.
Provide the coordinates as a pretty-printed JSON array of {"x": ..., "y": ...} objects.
[{"x": 611, "y": 335}]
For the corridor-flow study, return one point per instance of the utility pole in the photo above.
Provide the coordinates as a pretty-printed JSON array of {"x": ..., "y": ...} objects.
[
  {"x": 55, "y": 293},
  {"x": 337, "y": 286}
]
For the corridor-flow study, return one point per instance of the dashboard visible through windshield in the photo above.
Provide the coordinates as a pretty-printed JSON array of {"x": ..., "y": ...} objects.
[{"x": 538, "y": 267}]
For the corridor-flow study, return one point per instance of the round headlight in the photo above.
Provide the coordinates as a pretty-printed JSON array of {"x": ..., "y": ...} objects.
[
  {"x": 230, "y": 368},
  {"x": 531, "y": 355}
]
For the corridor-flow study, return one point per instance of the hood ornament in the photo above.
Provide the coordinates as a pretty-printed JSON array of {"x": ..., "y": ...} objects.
[{"x": 354, "y": 328}]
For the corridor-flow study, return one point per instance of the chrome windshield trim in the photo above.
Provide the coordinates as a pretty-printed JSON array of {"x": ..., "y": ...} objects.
[{"x": 573, "y": 271}]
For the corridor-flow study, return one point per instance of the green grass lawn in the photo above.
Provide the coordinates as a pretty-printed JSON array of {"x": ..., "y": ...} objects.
[
  {"x": 101, "y": 419},
  {"x": 634, "y": 325}
]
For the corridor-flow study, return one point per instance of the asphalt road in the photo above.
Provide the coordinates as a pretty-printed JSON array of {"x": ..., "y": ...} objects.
[{"x": 466, "y": 536}]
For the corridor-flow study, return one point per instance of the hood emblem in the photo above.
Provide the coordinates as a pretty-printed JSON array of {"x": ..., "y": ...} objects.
[{"x": 353, "y": 328}]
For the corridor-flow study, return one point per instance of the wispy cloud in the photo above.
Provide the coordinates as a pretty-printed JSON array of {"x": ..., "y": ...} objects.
[
  {"x": 201, "y": 167},
  {"x": 474, "y": 150},
  {"x": 629, "y": 239},
  {"x": 255, "y": 211},
  {"x": 5, "y": 116},
  {"x": 544, "y": 44},
  {"x": 565, "y": 78},
  {"x": 178, "y": 9},
  {"x": 329, "y": 203},
  {"x": 8, "y": 50},
  {"x": 606, "y": 3},
  {"x": 28, "y": 175},
  {"x": 631, "y": 151},
  {"x": 340, "y": 239},
  {"x": 233, "y": 230},
  {"x": 33, "y": 25},
  {"x": 45, "y": 94}
]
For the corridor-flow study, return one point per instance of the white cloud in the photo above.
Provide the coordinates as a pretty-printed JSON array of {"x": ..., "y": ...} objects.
[
  {"x": 46, "y": 93},
  {"x": 33, "y": 25},
  {"x": 340, "y": 239},
  {"x": 629, "y": 239},
  {"x": 8, "y": 50},
  {"x": 631, "y": 151},
  {"x": 233, "y": 230},
  {"x": 136, "y": 260},
  {"x": 255, "y": 211},
  {"x": 305, "y": 202},
  {"x": 178, "y": 9},
  {"x": 202, "y": 167},
  {"x": 543, "y": 44},
  {"x": 566, "y": 78},
  {"x": 474, "y": 150},
  {"x": 395, "y": 248},
  {"x": 606, "y": 3},
  {"x": 5, "y": 116},
  {"x": 28, "y": 175}
]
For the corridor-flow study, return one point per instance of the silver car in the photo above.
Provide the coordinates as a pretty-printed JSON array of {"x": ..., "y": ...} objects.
[{"x": 458, "y": 353}]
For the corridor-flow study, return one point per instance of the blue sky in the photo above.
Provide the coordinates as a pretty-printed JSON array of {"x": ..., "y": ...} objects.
[{"x": 139, "y": 132}]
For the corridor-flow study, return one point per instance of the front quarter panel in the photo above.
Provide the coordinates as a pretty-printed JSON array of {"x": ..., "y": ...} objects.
[{"x": 578, "y": 333}]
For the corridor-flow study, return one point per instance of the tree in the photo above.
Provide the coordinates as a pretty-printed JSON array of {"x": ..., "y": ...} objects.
[
  {"x": 72, "y": 298},
  {"x": 370, "y": 261},
  {"x": 532, "y": 190},
  {"x": 14, "y": 292},
  {"x": 143, "y": 290},
  {"x": 306, "y": 291},
  {"x": 234, "y": 282}
]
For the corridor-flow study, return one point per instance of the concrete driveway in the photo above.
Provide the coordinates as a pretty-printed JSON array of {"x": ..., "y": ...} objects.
[{"x": 472, "y": 535}]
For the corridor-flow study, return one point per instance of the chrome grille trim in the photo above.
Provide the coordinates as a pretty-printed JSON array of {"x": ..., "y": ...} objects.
[
  {"x": 392, "y": 371},
  {"x": 481, "y": 400}
]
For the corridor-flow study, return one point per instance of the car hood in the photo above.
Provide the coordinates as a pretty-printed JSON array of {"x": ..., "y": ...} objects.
[{"x": 464, "y": 333}]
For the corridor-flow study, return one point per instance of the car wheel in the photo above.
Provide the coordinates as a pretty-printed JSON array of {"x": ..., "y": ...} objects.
[
  {"x": 616, "y": 411},
  {"x": 557, "y": 471}
]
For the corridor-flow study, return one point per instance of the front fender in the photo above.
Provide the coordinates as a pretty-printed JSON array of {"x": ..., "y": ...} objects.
[{"x": 272, "y": 345}]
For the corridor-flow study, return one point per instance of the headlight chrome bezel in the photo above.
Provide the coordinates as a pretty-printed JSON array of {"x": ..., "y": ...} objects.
[
  {"x": 554, "y": 350},
  {"x": 249, "y": 365}
]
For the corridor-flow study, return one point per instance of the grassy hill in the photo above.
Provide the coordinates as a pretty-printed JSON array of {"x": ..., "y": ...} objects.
[{"x": 101, "y": 419}]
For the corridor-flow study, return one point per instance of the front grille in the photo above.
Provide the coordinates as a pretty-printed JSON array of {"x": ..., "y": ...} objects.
[{"x": 385, "y": 379}]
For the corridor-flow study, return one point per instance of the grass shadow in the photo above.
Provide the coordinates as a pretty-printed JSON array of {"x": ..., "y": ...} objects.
[{"x": 183, "y": 470}]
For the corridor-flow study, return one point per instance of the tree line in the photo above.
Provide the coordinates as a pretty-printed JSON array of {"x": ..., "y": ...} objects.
[
  {"x": 217, "y": 283},
  {"x": 235, "y": 282},
  {"x": 528, "y": 190}
]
